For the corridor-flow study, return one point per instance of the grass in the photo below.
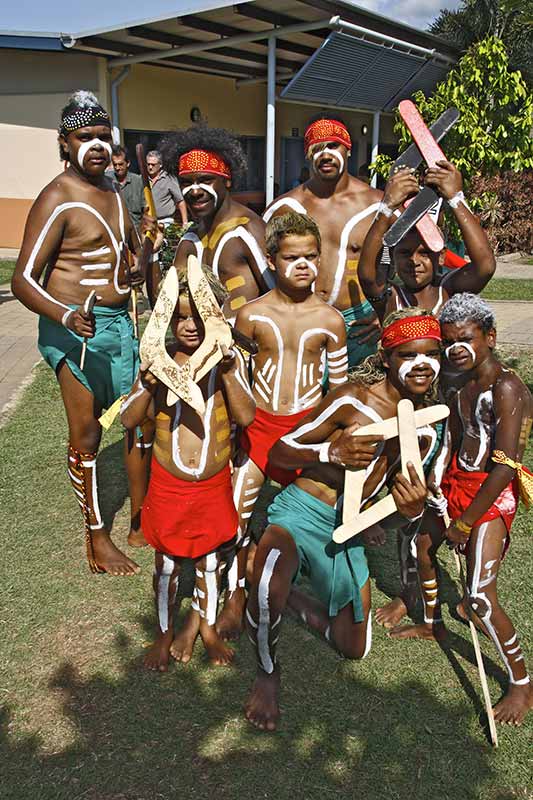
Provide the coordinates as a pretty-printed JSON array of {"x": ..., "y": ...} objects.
[
  {"x": 6, "y": 271},
  {"x": 508, "y": 289},
  {"x": 82, "y": 720}
]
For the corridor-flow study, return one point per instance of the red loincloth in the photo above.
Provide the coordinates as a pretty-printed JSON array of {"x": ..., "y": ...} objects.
[
  {"x": 188, "y": 518},
  {"x": 452, "y": 260},
  {"x": 259, "y": 437},
  {"x": 460, "y": 486}
]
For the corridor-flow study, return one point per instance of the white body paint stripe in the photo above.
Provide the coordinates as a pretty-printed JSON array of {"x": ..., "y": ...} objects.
[
  {"x": 102, "y": 251},
  {"x": 279, "y": 340},
  {"x": 263, "y": 629},
  {"x": 241, "y": 233},
  {"x": 343, "y": 246},
  {"x": 107, "y": 265},
  {"x": 196, "y": 471},
  {"x": 290, "y": 202},
  {"x": 300, "y": 356},
  {"x": 212, "y": 590},
  {"x": 94, "y": 281}
]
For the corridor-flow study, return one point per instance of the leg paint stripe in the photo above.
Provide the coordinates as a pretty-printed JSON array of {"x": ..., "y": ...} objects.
[{"x": 264, "y": 611}]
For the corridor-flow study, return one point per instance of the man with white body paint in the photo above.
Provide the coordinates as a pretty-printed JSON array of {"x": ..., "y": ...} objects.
[
  {"x": 418, "y": 267},
  {"x": 76, "y": 234},
  {"x": 188, "y": 511},
  {"x": 227, "y": 236},
  {"x": 298, "y": 540},
  {"x": 343, "y": 207},
  {"x": 488, "y": 431},
  {"x": 297, "y": 334}
]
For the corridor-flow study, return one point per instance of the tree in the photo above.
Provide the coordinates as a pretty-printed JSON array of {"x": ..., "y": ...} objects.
[{"x": 475, "y": 20}]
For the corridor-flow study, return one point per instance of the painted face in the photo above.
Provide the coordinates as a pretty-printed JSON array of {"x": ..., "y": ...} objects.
[
  {"x": 329, "y": 160},
  {"x": 466, "y": 344},
  {"x": 120, "y": 167},
  {"x": 296, "y": 262},
  {"x": 204, "y": 192},
  {"x": 415, "y": 264},
  {"x": 153, "y": 166},
  {"x": 89, "y": 149},
  {"x": 186, "y": 325},
  {"x": 414, "y": 365}
]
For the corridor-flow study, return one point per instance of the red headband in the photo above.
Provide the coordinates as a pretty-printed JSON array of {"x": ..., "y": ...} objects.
[
  {"x": 326, "y": 130},
  {"x": 408, "y": 329},
  {"x": 203, "y": 161}
]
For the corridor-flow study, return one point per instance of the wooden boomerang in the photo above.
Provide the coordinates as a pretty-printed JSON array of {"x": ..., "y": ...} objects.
[
  {"x": 217, "y": 330},
  {"x": 475, "y": 641},
  {"x": 87, "y": 309},
  {"x": 354, "y": 523}
]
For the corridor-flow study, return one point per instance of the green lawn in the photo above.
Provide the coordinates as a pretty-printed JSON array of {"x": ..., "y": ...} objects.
[
  {"x": 83, "y": 721},
  {"x": 508, "y": 289},
  {"x": 6, "y": 271}
]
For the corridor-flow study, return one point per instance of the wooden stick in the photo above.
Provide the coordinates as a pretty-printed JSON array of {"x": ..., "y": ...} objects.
[
  {"x": 475, "y": 642},
  {"x": 87, "y": 309},
  {"x": 135, "y": 312}
]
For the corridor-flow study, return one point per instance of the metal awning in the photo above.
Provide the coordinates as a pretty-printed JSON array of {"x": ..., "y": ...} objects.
[{"x": 351, "y": 72}]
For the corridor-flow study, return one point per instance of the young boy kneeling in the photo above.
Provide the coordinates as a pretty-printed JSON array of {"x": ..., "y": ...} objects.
[{"x": 188, "y": 511}]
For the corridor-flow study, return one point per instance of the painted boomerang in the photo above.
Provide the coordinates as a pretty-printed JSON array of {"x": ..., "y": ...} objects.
[
  {"x": 405, "y": 426},
  {"x": 424, "y": 147}
]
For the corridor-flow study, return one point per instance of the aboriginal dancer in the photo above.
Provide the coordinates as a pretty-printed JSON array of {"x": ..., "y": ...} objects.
[
  {"x": 343, "y": 208},
  {"x": 298, "y": 335},
  {"x": 227, "y": 236},
  {"x": 298, "y": 539},
  {"x": 76, "y": 236},
  {"x": 488, "y": 430},
  {"x": 189, "y": 510}
]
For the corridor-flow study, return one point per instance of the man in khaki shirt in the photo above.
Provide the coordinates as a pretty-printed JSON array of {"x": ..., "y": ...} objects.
[{"x": 165, "y": 190}]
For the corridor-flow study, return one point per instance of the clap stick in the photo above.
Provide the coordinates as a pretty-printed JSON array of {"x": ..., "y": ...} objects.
[
  {"x": 127, "y": 267},
  {"x": 475, "y": 642},
  {"x": 87, "y": 309}
]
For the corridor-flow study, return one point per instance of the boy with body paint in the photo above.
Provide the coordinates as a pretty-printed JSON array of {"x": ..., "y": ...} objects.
[
  {"x": 486, "y": 437},
  {"x": 76, "y": 233},
  {"x": 227, "y": 236},
  {"x": 343, "y": 207},
  {"x": 298, "y": 540},
  {"x": 188, "y": 511},
  {"x": 297, "y": 334},
  {"x": 417, "y": 266}
]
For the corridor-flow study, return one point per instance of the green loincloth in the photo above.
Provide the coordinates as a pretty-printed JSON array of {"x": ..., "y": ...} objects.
[
  {"x": 112, "y": 357},
  {"x": 357, "y": 351},
  {"x": 336, "y": 571}
]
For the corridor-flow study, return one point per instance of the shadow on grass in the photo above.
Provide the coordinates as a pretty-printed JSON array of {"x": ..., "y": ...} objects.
[
  {"x": 112, "y": 481},
  {"x": 145, "y": 737}
]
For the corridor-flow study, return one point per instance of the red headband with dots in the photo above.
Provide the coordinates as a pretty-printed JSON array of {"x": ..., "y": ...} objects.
[
  {"x": 203, "y": 161},
  {"x": 408, "y": 329}
]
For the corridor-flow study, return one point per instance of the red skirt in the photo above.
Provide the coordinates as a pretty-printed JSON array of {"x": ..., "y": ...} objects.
[
  {"x": 460, "y": 486},
  {"x": 188, "y": 518},
  {"x": 259, "y": 437}
]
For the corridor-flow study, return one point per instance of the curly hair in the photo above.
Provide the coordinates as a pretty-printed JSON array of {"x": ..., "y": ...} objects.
[
  {"x": 291, "y": 223},
  {"x": 372, "y": 370},
  {"x": 466, "y": 307},
  {"x": 200, "y": 137},
  {"x": 221, "y": 295}
]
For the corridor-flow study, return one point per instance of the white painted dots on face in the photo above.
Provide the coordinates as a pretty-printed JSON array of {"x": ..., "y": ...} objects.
[
  {"x": 407, "y": 367},
  {"x": 86, "y": 146}
]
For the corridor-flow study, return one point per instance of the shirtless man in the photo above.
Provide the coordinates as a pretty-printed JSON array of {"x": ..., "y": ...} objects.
[
  {"x": 488, "y": 431},
  {"x": 343, "y": 208},
  {"x": 76, "y": 235},
  {"x": 297, "y": 333},
  {"x": 229, "y": 237},
  {"x": 417, "y": 266},
  {"x": 188, "y": 511},
  {"x": 302, "y": 518}
]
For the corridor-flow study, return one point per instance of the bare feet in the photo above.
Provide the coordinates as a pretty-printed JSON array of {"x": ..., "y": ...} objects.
[
  {"x": 230, "y": 622},
  {"x": 110, "y": 558},
  {"x": 158, "y": 655},
  {"x": 463, "y": 614},
  {"x": 217, "y": 652},
  {"x": 183, "y": 644},
  {"x": 136, "y": 538},
  {"x": 262, "y": 707},
  {"x": 512, "y": 708},
  {"x": 435, "y": 632},
  {"x": 390, "y": 615}
]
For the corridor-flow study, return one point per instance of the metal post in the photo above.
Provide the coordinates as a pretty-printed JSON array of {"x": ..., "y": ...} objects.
[
  {"x": 270, "y": 120},
  {"x": 375, "y": 144},
  {"x": 115, "y": 83}
]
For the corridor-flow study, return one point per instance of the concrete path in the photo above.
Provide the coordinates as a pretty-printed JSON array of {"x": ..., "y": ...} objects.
[{"x": 18, "y": 347}]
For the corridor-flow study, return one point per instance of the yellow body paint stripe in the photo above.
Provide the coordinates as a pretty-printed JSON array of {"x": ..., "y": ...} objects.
[
  {"x": 221, "y": 413},
  {"x": 234, "y": 283},
  {"x": 351, "y": 266},
  {"x": 222, "y": 454},
  {"x": 224, "y": 227},
  {"x": 223, "y": 434},
  {"x": 237, "y": 302}
]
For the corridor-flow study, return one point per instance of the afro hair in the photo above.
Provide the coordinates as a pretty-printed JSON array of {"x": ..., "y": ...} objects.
[
  {"x": 466, "y": 307},
  {"x": 200, "y": 137}
]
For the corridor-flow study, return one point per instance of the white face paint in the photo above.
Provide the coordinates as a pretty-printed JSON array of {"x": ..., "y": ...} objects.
[
  {"x": 331, "y": 152},
  {"x": 292, "y": 264},
  {"x": 466, "y": 346},
  {"x": 86, "y": 146},
  {"x": 407, "y": 367},
  {"x": 205, "y": 187}
]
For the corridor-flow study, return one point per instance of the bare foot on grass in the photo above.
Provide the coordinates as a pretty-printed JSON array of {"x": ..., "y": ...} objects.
[
  {"x": 157, "y": 657},
  {"x": 183, "y": 645},
  {"x": 512, "y": 708},
  {"x": 109, "y": 558},
  {"x": 391, "y": 614},
  {"x": 262, "y": 706},
  {"x": 218, "y": 653},
  {"x": 435, "y": 632}
]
